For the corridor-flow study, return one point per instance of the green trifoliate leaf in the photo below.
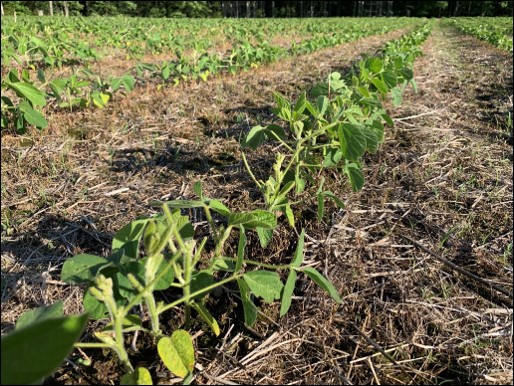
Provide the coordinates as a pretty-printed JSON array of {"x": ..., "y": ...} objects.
[{"x": 264, "y": 284}]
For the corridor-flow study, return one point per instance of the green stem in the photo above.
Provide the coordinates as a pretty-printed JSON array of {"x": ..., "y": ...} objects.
[
  {"x": 94, "y": 345},
  {"x": 188, "y": 257},
  {"x": 117, "y": 316},
  {"x": 282, "y": 142},
  {"x": 198, "y": 293},
  {"x": 221, "y": 243},
  {"x": 208, "y": 214},
  {"x": 154, "y": 316},
  {"x": 263, "y": 265},
  {"x": 120, "y": 343},
  {"x": 245, "y": 161}
]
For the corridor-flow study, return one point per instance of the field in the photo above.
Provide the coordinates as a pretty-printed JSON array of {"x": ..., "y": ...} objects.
[{"x": 299, "y": 201}]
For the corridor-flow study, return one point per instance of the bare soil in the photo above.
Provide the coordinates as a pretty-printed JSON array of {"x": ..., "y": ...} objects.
[{"x": 422, "y": 256}]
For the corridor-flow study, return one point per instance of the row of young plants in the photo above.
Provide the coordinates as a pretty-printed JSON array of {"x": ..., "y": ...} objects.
[
  {"x": 24, "y": 97},
  {"x": 494, "y": 30},
  {"x": 331, "y": 127},
  {"x": 245, "y": 55},
  {"x": 54, "y": 41}
]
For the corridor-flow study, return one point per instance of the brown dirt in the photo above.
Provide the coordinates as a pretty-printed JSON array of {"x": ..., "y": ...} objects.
[{"x": 443, "y": 179}]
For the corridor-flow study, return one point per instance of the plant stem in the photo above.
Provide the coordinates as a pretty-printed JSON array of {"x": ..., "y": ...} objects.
[
  {"x": 208, "y": 214},
  {"x": 154, "y": 316},
  {"x": 219, "y": 245},
  {"x": 198, "y": 293},
  {"x": 94, "y": 345},
  {"x": 120, "y": 342},
  {"x": 188, "y": 257},
  {"x": 262, "y": 265},
  {"x": 117, "y": 316},
  {"x": 245, "y": 161}
]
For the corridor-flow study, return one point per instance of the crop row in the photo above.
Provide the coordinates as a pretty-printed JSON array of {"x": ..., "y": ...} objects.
[
  {"x": 332, "y": 127},
  {"x": 58, "y": 41},
  {"x": 85, "y": 89},
  {"x": 497, "y": 31}
]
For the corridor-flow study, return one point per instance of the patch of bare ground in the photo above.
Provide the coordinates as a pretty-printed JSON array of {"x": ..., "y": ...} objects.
[{"x": 406, "y": 317}]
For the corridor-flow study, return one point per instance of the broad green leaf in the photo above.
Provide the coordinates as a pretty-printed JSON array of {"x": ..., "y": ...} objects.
[
  {"x": 207, "y": 317},
  {"x": 265, "y": 236},
  {"x": 282, "y": 102},
  {"x": 290, "y": 215},
  {"x": 129, "y": 82},
  {"x": 200, "y": 281},
  {"x": 54, "y": 311},
  {"x": 32, "y": 353},
  {"x": 372, "y": 140},
  {"x": 287, "y": 293},
  {"x": 223, "y": 265},
  {"x": 33, "y": 117},
  {"x": 287, "y": 188},
  {"x": 100, "y": 100},
  {"x": 82, "y": 269},
  {"x": 407, "y": 74},
  {"x": 364, "y": 92},
  {"x": 301, "y": 104},
  {"x": 414, "y": 84},
  {"x": 178, "y": 353},
  {"x": 249, "y": 308},
  {"x": 333, "y": 158},
  {"x": 20, "y": 124},
  {"x": 320, "y": 280},
  {"x": 390, "y": 79},
  {"x": 352, "y": 141},
  {"x": 298, "y": 254},
  {"x": 397, "y": 96},
  {"x": 256, "y": 137},
  {"x": 375, "y": 65},
  {"x": 252, "y": 220},
  {"x": 198, "y": 189},
  {"x": 387, "y": 119},
  {"x": 300, "y": 184},
  {"x": 28, "y": 91},
  {"x": 264, "y": 284},
  {"x": 380, "y": 85},
  {"x": 354, "y": 173},
  {"x": 13, "y": 76},
  {"x": 140, "y": 377},
  {"x": 95, "y": 309},
  {"x": 241, "y": 249},
  {"x": 219, "y": 208},
  {"x": 130, "y": 233},
  {"x": 379, "y": 129},
  {"x": 336, "y": 81},
  {"x": 277, "y": 130},
  {"x": 322, "y": 105},
  {"x": 166, "y": 72},
  {"x": 41, "y": 76}
]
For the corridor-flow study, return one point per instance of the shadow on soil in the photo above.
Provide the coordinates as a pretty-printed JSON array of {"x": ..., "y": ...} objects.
[
  {"x": 176, "y": 158},
  {"x": 54, "y": 239}
]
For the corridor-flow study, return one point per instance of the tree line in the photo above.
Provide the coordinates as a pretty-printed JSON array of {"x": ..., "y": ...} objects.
[{"x": 270, "y": 9}]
